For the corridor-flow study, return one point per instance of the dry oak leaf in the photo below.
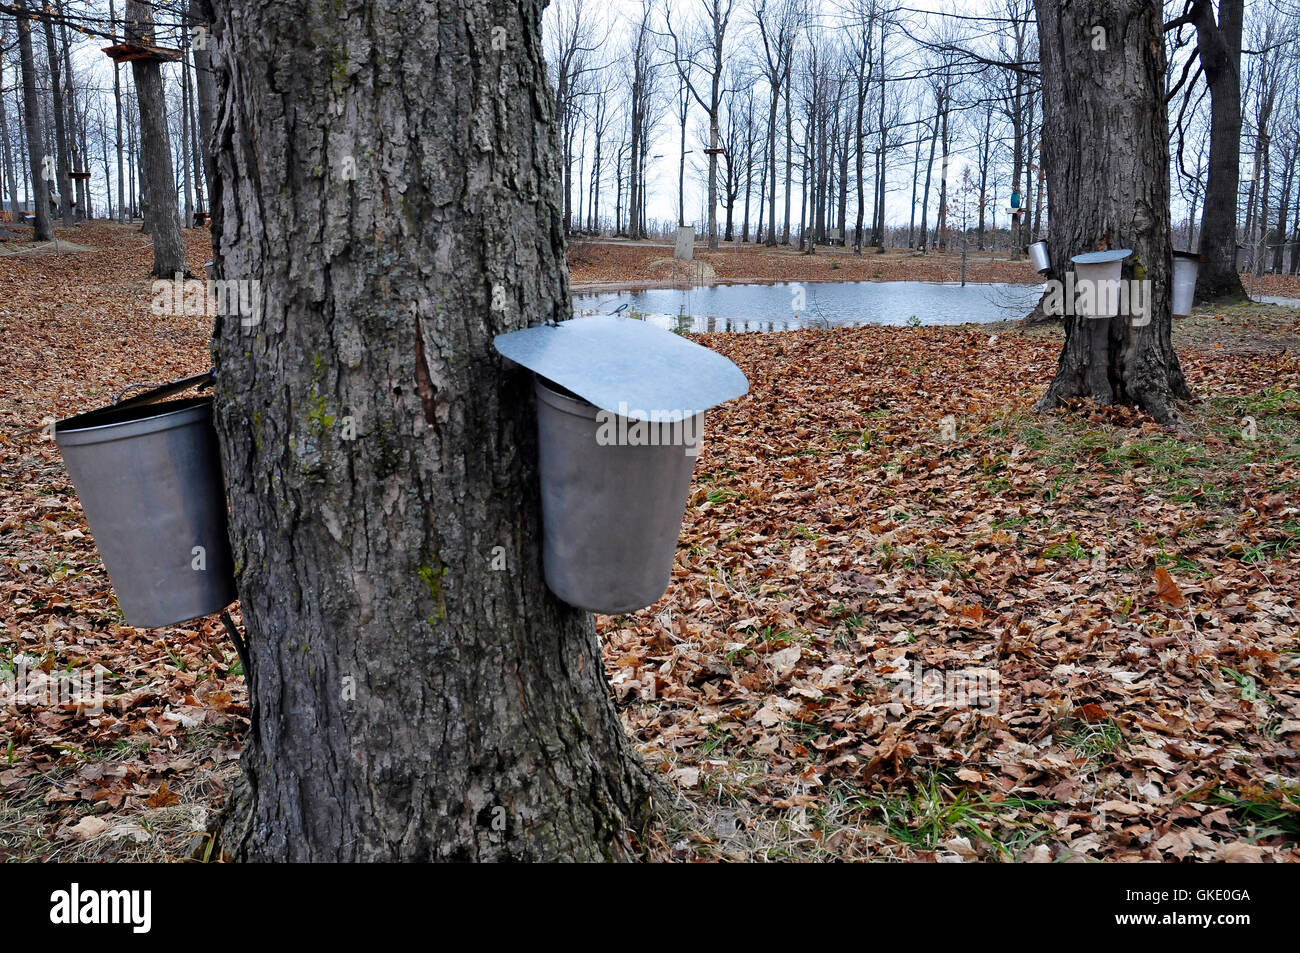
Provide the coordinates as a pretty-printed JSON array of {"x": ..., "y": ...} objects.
[{"x": 1167, "y": 590}]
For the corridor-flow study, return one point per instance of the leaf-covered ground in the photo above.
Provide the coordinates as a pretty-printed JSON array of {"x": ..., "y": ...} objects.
[
  {"x": 140, "y": 779},
  {"x": 596, "y": 263},
  {"x": 910, "y": 617}
]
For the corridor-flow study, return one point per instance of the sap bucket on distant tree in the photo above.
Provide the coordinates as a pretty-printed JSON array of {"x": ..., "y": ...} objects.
[
  {"x": 1186, "y": 267},
  {"x": 1097, "y": 276},
  {"x": 149, "y": 479},
  {"x": 1039, "y": 258},
  {"x": 620, "y": 419}
]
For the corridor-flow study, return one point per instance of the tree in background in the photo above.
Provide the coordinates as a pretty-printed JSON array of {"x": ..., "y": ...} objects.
[
  {"x": 42, "y": 230},
  {"x": 155, "y": 147},
  {"x": 1218, "y": 56}
]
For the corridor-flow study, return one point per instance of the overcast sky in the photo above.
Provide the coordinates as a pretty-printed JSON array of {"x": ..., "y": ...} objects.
[{"x": 743, "y": 43}]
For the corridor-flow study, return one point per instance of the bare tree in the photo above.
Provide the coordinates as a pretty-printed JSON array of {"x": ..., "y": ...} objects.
[
  {"x": 642, "y": 79},
  {"x": 571, "y": 42},
  {"x": 779, "y": 23},
  {"x": 155, "y": 145},
  {"x": 67, "y": 204},
  {"x": 699, "y": 47},
  {"x": 42, "y": 230},
  {"x": 10, "y": 173}
]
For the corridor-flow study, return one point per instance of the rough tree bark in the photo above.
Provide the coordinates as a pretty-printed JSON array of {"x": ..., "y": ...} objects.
[
  {"x": 164, "y": 219},
  {"x": 390, "y": 179},
  {"x": 1106, "y": 155}
]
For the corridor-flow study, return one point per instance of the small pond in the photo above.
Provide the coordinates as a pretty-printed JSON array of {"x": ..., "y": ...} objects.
[
  {"x": 1285, "y": 302},
  {"x": 813, "y": 304}
]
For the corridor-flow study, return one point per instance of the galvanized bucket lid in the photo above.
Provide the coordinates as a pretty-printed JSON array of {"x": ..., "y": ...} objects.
[
  {"x": 1101, "y": 257},
  {"x": 626, "y": 366}
]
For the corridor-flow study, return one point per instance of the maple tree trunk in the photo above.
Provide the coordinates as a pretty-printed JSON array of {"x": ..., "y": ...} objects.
[
  {"x": 163, "y": 219},
  {"x": 78, "y": 154},
  {"x": 42, "y": 229},
  {"x": 417, "y": 691},
  {"x": 879, "y": 225},
  {"x": 1106, "y": 156},
  {"x": 1219, "y": 47},
  {"x": 188, "y": 219}
]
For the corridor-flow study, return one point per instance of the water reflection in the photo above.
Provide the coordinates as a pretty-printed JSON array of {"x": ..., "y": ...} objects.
[{"x": 788, "y": 306}]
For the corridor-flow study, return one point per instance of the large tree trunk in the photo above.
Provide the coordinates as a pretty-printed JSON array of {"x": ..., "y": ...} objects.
[
  {"x": 1106, "y": 154},
  {"x": 42, "y": 230},
  {"x": 163, "y": 219},
  {"x": 417, "y": 691},
  {"x": 1219, "y": 47}
]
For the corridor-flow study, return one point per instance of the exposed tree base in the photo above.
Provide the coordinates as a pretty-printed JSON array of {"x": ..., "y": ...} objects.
[
  {"x": 1225, "y": 288},
  {"x": 1105, "y": 363},
  {"x": 234, "y": 836}
]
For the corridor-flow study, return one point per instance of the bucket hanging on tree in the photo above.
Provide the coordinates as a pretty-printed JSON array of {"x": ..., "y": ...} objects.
[
  {"x": 148, "y": 476},
  {"x": 620, "y": 418}
]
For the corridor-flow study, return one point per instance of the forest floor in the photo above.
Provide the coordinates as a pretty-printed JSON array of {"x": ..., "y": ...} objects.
[{"x": 911, "y": 618}]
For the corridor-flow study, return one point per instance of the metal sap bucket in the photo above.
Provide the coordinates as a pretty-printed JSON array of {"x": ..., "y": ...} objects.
[
  {"x": 620, "y": 415},
  {"x": 1039, "y": 257},
  {"x": 614, "y": 492},
  {"x": 1098, "y": 274},
  {"x": 1186, "y": 267},
  {"x": 149, "y": 479}
]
